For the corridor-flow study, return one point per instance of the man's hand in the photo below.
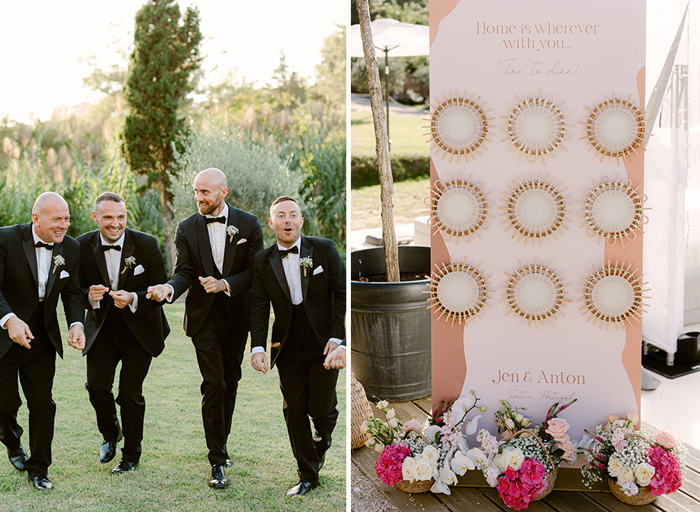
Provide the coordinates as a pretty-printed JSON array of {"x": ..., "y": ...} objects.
[
  {"x": 335, "y": 358},
  {"x": 122, "y": 298},
  {"x": 212, "y": 285},
  {"x": 19, "y": 331},
  {"x": 158, "y": 292},
  {"x": 97, "y": 292},
  {"x": 259, "y": 362},
  {"x": 76, "y": 337}
]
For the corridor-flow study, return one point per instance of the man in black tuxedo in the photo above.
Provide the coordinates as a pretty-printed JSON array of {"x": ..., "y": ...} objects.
[
  {"x": 215, "y": 249},
  {"x": 304, "y": 279},
  {"x": 117, "y": 264},
  {"x": 38, "y": 262}
]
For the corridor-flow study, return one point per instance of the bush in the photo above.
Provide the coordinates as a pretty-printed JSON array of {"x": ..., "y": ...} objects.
[
  {"x": 256, "y": 174},
  {"x": 364, "y": 169}
]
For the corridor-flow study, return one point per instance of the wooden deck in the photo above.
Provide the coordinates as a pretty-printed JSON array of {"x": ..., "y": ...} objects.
[{"x": 485, "y": 499}]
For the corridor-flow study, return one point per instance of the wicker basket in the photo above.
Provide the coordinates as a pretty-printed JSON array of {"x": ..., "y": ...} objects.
[
  {"x": 643, "y": 498},
  {"x": 360, "y": 412},
  {"x": 415, "y": 487},
  {"x": 552, "y": 476}
]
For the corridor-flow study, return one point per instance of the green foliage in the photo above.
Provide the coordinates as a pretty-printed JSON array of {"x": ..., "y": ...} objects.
[
  {"x": 364, "y": 169},
  {"x": 256, "y": 174},
  {"x": 330, "y": 76},
  {"x": 166, "y": 53}
]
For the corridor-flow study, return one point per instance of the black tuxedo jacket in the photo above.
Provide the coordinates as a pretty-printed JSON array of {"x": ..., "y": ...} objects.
[
  {"x": 19, "y": 286},
  {"x": 323, "y": 291},
  {"x": 194, "y": 259},
  {"x": 148, "y": 324}
]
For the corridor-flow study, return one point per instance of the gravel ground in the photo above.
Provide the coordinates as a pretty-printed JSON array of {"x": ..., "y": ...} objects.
[{"x": 365, "y": 496}]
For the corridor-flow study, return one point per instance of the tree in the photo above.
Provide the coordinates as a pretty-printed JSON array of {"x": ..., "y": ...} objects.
[
  {"x": 330, "y": 74},
  {"x": 164, "y": 59}
]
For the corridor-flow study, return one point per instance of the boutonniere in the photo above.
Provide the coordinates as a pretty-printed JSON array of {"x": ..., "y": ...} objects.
[
  {"x": 306, "y": 263},
  {"x": 232, "y": 231},
  {"x": 58, "y": 261},
  {"x": 128, "y": 263}
]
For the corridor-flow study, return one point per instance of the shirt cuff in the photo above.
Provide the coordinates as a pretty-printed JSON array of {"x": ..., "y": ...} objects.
[
  {"x": 75, "y": 323},
  {"x": 4, "y": 320},
  {"x": 169, "y": 296},
  {"x": 256, "y": 350},
  {"x": 227, "y": 291},
  {"x": 135, "y": 304},
  {"x": 93, "y": 304},
  {"x": 342, "y": 346},
  {"x": 336, "y": 340}
]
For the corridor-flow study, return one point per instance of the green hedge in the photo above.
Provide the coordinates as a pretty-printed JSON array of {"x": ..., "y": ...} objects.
[{"x": 364, "y": 169}]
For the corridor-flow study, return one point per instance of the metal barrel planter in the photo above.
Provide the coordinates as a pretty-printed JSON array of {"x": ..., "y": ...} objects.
[{"x": 390, "y": 325}]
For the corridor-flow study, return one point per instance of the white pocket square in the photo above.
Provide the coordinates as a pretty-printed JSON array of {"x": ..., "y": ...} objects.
[
  {"x": 64, "y": 274},
  {"x": 242, "y": 241},
  {"x": 317, "y": 270},
  {"x": 139, "y": 270}
]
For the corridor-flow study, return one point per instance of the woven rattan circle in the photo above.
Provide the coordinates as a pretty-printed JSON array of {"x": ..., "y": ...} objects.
[
  {"x": 536, "y": 126},
  {"x": 458, "y": 291},
  {"x": 615, "y": 128},
  {"x": 535, "y": 209},
  {"x": 535, "y": 293},
  {"x": 458, "y": 208},
  {"x": 459, "y": 126},
  {"x": 613, "y": 210},
  {"x": 613, "y": 294}
]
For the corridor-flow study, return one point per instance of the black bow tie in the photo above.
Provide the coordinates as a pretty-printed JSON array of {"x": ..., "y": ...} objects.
[
  {"x": 283, "y": 253},
  {"x": 45, "y": 246},
  {"x": 209, "y": 220},
  {"x": 110, "y": 247}
]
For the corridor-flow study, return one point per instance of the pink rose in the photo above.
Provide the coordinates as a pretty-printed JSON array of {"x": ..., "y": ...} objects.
[
  {"x": 557, "y": 427},
  {"x": 413, "y": 423},
  {"x": 632, "y": 417},
  {"x": 665, "y": 438},
  {"x": 568, "y": 448}
]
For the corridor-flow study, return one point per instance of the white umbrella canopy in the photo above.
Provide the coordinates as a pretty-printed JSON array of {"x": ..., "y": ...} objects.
[{"x": 400, "y": 39}]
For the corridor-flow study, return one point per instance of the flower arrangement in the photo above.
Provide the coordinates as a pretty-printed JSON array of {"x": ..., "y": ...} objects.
[
  {"x": 58, "y": 261},
  {"x": 429, "y": 454},
  {"x": 306, "y": 263},
  {"x": 128, "y": 263},
  {"x": 522, "y": 465},
  {"x": 232, "y": 231},
  {"x": 639, "y": 465}
]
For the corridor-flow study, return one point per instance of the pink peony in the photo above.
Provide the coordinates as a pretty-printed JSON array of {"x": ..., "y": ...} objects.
[
  {"x": 667, "y": 478},
  {"x": 665, "y": 438},
  {"x": 557, "y": 427},
  {"x": 390, "y": 463},
  {"x": 519, "y": 488}
]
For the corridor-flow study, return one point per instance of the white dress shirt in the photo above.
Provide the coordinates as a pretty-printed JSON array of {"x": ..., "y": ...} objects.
[{"x": 113, "y": 261}]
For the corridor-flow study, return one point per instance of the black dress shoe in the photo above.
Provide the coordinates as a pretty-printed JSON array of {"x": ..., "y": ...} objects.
[
  {"x": 228, "y": 461},
  {"x": 301, "y": 488},
  {"x": 17, "y": 457},
  {"x": 107, "y": 451},
  {"x": 41, "y": 483},
  {"x": 125, "y": 466},
  {"x": 218, "y": 478}
]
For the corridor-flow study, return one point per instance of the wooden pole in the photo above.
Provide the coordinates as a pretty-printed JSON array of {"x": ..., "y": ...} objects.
[{"x": 386, "y": 179}]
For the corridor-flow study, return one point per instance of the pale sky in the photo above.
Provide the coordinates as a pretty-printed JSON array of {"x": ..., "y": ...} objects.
[{"x": 42, "y": 41}]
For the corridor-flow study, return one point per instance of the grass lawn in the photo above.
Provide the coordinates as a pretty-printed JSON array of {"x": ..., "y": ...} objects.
[
  {"x": 406, "y": 133},
  {"x": 408, "y": 203},
  {"x": 174, "y": 471}
]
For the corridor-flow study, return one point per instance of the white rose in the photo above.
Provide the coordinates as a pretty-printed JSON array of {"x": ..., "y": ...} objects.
[
  {"x": 514, "y": 458},
  {"x": 393, "y": 423},
  {"x": 424, "y": 471},
  {"x": 518, "y": 417},
  {"x": 448, "y": 476},
  {"x": 382, "y": 404},
  {"x": 408, "y": 470},
  {"x": 643, "y": 473},
  {"x": 500, "y": 462},
  {"x": 614, "y": 466},
  {"x": 390, "y": 414},
  {"x": 625, "y": 476},
  {"x": 510, "y": 424},
  {"x": 461, "y": 463},
  {"x": 430, "y": 455},
  {"x": 379, "y": 447}
]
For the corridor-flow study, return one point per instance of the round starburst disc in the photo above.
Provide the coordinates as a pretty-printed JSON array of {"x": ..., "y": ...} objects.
[
  {"x": 615, "y": 128},
  {"x": 458, "y": 291},
  {"x": 535, "y": 293},
  {"x": 613, "y": 294},
  {"x": 458, "y": 208}
]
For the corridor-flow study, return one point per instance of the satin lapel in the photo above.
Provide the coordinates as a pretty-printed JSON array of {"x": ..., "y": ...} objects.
[
  {"x": 127, "y": 251},
  {"x": 30, "y": 253},
  {"x": 306, "y": 252},
  {"x": 204, "y": 246},
  {"x": 230, "y": 245},
  {"x": 278, "y": 269},
  {"x": 54, "y": 271},
  {"x": 100, "y": 260}
]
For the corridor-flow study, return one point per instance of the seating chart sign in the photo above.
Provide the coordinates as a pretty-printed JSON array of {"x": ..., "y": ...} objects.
[{"x": 537, "y": 131}]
